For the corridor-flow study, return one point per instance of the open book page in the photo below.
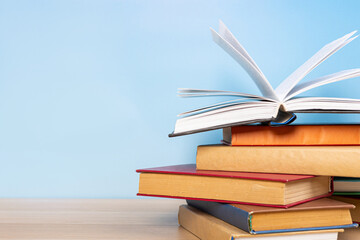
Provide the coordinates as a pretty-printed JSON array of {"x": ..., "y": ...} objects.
[
  {"x": 257, "y": 76},
  {"x": 228, "y": 36},
  {"x": 240, "y": 105},
  {"x": 222, "y": 107},
  {"x": 286, "y": 86},
  {"x": 335, "y": 77},
  {"x": 244, "y": 113},
  {"x": 323, "y": 105},
  {"x": 189, "y": 92},
  {"x": 275, "y": 105},
  {"x": 217, "y": 106}
]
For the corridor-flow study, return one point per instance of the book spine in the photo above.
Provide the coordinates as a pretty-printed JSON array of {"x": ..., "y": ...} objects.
[
  {"x": 202, "y": 226},
  {"x": 304, "y": 135},
  {"x": 312, "y": 160},
  {"x": 226, "y": 212}
]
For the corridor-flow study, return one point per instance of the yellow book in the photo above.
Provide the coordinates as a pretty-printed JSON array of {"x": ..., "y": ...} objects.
[
  {"x": 355, "y": 212},
  {"x": 275, "y": 190},
  {"x": 340, "y": 161}
]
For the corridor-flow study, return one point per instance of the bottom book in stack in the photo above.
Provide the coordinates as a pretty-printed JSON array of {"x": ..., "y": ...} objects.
[
  {"x": 321, "y": 214},
  {"x": 207, "y": 227}
]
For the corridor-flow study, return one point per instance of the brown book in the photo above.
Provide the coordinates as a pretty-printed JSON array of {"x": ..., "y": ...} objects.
[
  {"x": 276, "y": 190},
  {"x": 292, "y": 135},
  {"x": 205, "y": 226},
  {"x": 355, "y": 213},
  {"x": 350, "y": 234},
  {"x": 314, "y": 215},
  {"x": 342, "y": 161}
]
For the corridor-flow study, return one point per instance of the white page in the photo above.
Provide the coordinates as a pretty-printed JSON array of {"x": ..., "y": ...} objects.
[
  {"x": 321, "y": 99},
  {"x": 286, "y": 86},
  {"x": 189, "y": 92},
  {"x": 322, "y": 104},
  {"x": 261, "y": 82},
  {"x": 217, "y": 105},
  {"x": 228, "y": 36},
  {"x": 335, "y": 77},
  {"x": 229, "y": 116},
  {"x": 306, "y": 100},
  {"x": 243, "y": 105}
]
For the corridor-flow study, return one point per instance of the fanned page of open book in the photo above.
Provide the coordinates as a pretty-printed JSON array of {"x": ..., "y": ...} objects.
[
  {"x": 275, "y": 105},
  {"x": 229, "y": 43},
  {"x": 289, "y": 83}
]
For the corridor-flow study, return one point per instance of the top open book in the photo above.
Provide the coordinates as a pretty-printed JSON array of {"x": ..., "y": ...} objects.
[{"x": 276, "y": 105}]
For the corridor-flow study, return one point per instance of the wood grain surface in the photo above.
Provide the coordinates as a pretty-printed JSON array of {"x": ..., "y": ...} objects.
[{"x": 91, "y": 219}]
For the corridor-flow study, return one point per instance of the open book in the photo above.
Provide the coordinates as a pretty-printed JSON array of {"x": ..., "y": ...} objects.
[{"x": 276, "y": 105}]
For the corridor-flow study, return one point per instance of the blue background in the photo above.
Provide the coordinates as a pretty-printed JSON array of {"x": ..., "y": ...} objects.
[{"x": 88, "y": 88}]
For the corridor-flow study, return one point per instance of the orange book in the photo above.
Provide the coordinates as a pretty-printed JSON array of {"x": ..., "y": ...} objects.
[{"x": 292, "y": 135}]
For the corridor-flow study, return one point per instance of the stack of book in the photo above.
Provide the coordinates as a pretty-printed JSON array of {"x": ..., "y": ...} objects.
[
  {"x": 244, "y": 188},
  {"x": 273, "y": 182}
]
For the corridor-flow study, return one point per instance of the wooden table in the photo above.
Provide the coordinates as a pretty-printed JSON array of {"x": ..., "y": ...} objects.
[{"x": 91, "y": 219}]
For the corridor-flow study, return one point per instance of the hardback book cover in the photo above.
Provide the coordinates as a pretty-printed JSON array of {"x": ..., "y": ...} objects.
[
  {"x": 342, "y": 161},
  {"x": 292, "y": 135},
  {"x": 205, "y": 226},
  {"x": 314, "y": 215},
  {"x": 354, "y": 200},
  {"x": 275, "y": 190}
]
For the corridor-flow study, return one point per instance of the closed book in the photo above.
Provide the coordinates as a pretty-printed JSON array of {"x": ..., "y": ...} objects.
[
  {"x": 354, "y": 200},
  {"x": 346, "y": 186},
  {"x": 292, "y": 135},
  {"x": 315, "y": 215},
  {"x": 276, "y": 190},
  {"x": 343, "y": 161},
  {"x": 205, "y": 226}
]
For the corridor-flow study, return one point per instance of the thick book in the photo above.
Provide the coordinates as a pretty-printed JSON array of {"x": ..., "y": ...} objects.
[
  {"x": 342, "y": 161},
  {"x": 346, "y": 186},
  {"x": 292, "y": 135},
  {"x": 354, "y": 200},
  {"x": 275, "y": 105},
  {"x": 205, "y": 226},
  {"x": 275, "y": 190},
  {"x": 315, "y": 215}
]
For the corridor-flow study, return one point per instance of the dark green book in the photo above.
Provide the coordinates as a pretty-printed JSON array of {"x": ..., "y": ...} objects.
[{"x": 346, "y": 186}]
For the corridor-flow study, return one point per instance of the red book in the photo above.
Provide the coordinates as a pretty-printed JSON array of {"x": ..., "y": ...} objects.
[{"x": 266, "y": 189}]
